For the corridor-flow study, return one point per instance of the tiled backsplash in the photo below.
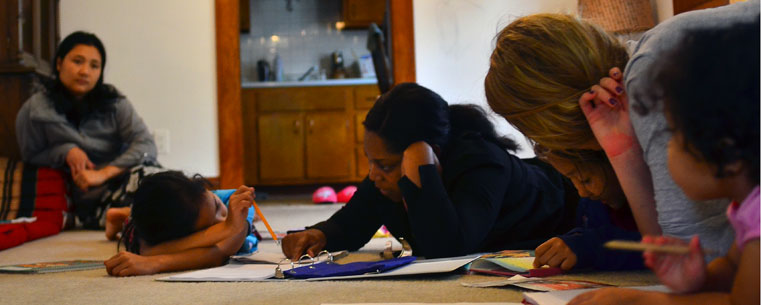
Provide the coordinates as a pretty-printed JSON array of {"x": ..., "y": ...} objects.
[{"x": 303, "y": 37}]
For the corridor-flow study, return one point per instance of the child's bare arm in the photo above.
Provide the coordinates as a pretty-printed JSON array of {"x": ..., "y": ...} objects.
[
  {"x": 606, "y": 108},
  {"x": 200, "y": 239},
  {"x": 128, "y": 264},
  {"x": 234, "y": 224},
  {"x": 720, "y": 272},
  {"x": 746, "y": 280}
]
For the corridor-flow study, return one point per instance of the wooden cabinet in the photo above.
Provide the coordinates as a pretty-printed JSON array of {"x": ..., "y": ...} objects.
[
  {"x": 305, "y": 135},
  {"x": 360, "y": 13},
  {"x": 276, "y": 132},
  {"x": 328, "y": 145}
]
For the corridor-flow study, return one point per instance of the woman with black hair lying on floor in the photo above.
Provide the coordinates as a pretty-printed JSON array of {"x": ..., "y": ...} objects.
[{"x": 442, "y": 179}]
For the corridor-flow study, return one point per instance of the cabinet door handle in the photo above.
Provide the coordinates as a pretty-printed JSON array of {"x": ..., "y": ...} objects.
[
  {"x": 296, "y": 126},
  {"x": 311, "y": 125}
]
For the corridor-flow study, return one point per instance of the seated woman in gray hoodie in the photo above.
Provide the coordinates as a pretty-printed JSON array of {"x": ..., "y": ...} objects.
[{"x": 83, "y": 126}]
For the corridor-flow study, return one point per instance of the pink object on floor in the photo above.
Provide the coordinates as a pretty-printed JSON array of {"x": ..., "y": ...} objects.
[
  {"x": 324, "y": 194},
  {"x": 345, "y": 194}
]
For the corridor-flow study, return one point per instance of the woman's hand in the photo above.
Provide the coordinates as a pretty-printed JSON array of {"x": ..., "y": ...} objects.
[
  {"x": 311, "y": 241},
  {"x": 606, "y": 108},
  {"x": 240, "y": 202},
  {"x": 78, "y": 161},
  {"x": 128, "y": 264},
  {"x": 417, "y": 154},
  {"x": 87, "y": 178},
  {"x": 555, "y": 253},
  {"x": 681, "y": 273}
]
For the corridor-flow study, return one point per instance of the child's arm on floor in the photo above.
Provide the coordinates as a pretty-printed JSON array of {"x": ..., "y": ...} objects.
[
  {"x": 235, "y": 223},
  {"x": 606, "y": 108},
  {"x": 128, "y": 264}
]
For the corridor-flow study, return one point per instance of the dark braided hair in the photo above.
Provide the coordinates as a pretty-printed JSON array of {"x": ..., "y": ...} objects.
[
  {"x": 166, "y": 207},
  {"x": 410, "y": 113}
]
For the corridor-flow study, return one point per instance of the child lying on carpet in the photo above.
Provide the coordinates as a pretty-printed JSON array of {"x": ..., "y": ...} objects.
[{"x": 176, "y": 224}]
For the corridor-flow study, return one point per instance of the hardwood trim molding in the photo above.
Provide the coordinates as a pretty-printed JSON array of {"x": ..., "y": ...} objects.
[
  {"x": 402, "y": 40},
  {"x": 229, "y": 119}
]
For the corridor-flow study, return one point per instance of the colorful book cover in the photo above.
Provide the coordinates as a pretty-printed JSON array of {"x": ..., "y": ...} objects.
[
  {"x": 509, "y": 263},
  {"x": 46, "y": 267}
]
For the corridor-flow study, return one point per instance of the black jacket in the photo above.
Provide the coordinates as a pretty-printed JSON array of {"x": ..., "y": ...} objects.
[{"x": 485, "y": 200}]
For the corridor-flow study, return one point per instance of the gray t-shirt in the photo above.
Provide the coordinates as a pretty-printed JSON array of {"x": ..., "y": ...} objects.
[{"x": 677, "y": 215}]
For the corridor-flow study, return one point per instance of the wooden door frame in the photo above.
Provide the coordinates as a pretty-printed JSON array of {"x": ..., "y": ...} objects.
[{"x": 229, "y": 119}]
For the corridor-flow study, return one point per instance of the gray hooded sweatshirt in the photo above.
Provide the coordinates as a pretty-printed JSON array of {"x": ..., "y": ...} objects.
[{"x": 116, "y": 137}]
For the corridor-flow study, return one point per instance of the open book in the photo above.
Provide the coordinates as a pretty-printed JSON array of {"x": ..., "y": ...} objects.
[
  {"x": 509, "y": 263},
  {"x": 47, "y": 267}
]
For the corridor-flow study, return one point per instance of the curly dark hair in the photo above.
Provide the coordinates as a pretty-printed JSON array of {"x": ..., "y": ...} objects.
[
  {"x": 709, "y": 87},
  {"x": 166, "y": 207}
]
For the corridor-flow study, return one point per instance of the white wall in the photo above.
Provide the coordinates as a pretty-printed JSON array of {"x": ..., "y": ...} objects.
[
  {"x": 454, "y": 39},
  {"x": 161, "y": 55}
]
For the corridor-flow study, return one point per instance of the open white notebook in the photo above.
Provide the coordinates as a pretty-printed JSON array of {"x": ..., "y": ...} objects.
[{"x": 226, "y": 273}]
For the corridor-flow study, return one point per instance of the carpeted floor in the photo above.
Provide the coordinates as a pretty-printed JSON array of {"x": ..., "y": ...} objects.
[{"x": 96, "y": 287}]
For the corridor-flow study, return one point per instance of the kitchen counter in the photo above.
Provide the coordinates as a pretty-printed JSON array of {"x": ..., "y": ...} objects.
[{"x": 311, "y": 83}]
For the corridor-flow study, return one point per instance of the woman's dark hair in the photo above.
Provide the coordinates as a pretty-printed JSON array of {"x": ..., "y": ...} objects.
[
  {"x": 409, "y": 113},
  {"x": 166, "y": 207},
  {"x": 102, "y": 95},
  {"x": 709, "y": 87}
]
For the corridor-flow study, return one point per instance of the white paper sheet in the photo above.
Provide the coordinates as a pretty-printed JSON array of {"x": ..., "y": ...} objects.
[
  {"x": 562, "y": 297},
  {"x": 277, "y": 257},
  {"x": 226, "y": 273}
]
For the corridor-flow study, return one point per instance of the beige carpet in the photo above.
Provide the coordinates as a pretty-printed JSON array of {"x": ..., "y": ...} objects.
[{"x": 96, "y": 287}]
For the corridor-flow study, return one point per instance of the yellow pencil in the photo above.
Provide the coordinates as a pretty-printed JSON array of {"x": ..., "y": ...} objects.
[
  {"x": 637, "y": 246},
  {"x": 264, "y": 220}
]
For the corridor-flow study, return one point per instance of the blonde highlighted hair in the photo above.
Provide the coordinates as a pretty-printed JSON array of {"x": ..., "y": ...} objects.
[{"x": 540, "y": 67}]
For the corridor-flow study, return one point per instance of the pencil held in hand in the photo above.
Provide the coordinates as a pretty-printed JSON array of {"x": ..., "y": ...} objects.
[
  {"x": 264, "y": 220},
  {"x": 637, "y": 246}
]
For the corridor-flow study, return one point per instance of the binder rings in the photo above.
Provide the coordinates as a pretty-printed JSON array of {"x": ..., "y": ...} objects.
[{"x": 330, "y": 268}]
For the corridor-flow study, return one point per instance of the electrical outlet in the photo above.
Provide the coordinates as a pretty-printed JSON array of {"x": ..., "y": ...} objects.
[{"x": 161, "y": 137}]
